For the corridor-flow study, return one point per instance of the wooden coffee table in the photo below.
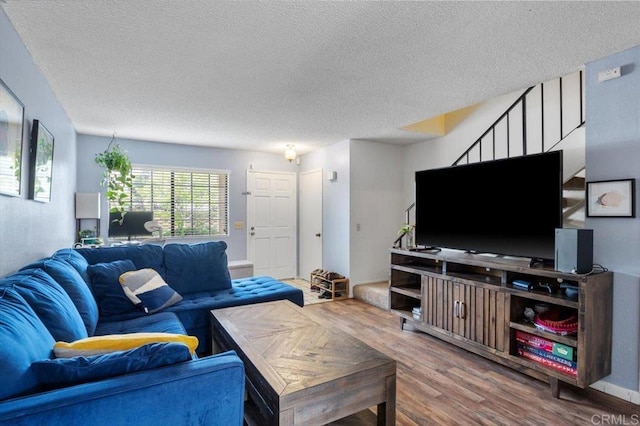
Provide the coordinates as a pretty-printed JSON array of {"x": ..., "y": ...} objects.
[{"x": 300, "y": 370}]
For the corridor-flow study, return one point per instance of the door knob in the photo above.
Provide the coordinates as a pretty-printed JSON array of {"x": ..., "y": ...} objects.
[
  {"x": 318, "y": 234},
  {"x": 252, "y": 233}
]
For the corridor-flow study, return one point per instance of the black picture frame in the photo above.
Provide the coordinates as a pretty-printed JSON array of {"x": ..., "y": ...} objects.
[
  {"x": 11, "y": 139},
  {"x": 40, "y": 163},
  {"x": 611, "y": 198}
]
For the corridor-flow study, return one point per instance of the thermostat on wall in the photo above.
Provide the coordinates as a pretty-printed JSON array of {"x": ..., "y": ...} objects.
[{"x": 609, "y": 74}]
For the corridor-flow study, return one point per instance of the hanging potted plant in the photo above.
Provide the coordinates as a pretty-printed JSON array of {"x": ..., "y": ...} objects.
[{"x": 117, "y": 178}]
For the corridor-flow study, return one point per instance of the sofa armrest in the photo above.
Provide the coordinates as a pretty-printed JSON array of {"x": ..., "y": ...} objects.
[{"x": 208, "y": 390}]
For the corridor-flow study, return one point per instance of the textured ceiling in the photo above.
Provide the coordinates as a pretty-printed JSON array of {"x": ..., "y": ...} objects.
[{"x": 260, "y": 75}]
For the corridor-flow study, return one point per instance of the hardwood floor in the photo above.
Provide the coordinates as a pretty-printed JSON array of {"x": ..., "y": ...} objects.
[
  {"x": 310, "y": 297},
  {"x": 438, "y": 383}
]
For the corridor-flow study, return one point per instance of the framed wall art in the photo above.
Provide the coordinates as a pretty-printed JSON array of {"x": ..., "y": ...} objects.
[
  {"x": 40, "y": 163},
  {"x": 611, "y": 198},
  {"x": 11, "y": 131}
]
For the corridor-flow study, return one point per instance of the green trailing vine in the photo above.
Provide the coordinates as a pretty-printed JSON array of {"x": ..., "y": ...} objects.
[{"x": 117, "y": 178}]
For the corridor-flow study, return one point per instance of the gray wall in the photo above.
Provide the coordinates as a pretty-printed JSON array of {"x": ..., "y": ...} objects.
[
  {"x": 30, "y": 230},
  {"x": 237, "y": 162},
  {"x": 613, "y": 152}
]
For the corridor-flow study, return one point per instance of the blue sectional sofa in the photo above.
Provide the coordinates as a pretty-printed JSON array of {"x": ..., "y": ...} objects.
[{"x": 78, "y": 296}]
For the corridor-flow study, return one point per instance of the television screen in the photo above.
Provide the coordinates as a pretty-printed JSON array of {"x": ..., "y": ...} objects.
[
  {"x": 505, "y": 207},
  {"x": 132, "y": 225}
]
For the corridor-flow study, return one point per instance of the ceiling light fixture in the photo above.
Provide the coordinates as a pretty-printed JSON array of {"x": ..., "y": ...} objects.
[{"x": 290, "y": 153}]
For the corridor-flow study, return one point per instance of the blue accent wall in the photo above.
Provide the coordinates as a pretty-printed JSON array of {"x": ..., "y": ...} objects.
[
  {"x": 613, "y": 152},
  {"x": 237, "y": 162},
  {"x": 30, "y": 230}
]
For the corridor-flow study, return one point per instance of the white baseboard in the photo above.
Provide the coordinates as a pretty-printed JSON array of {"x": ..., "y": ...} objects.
[{"x": 617, "y": 391}]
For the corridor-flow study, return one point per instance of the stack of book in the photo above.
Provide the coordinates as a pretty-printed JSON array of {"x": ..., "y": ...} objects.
[
  {"x": 416, "y": 312},
  {"x": 551, "y": 354}
]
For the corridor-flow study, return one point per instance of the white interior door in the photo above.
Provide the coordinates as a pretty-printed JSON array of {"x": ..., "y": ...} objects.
[
  {"x": 310, "y": 222},
  {"x": 271, "y": 223}
]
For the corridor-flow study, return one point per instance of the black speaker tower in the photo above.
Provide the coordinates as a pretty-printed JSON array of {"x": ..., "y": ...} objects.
[{"x": 574, "y": 250}]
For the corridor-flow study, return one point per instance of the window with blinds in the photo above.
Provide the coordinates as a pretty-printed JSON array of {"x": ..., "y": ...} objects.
[{"x": 184, "y": 202}]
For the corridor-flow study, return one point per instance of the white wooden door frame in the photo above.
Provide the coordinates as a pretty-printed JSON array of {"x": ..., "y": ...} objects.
[
  {"x": 272, "y": 237},
  {"x": 310, "y": 232}
]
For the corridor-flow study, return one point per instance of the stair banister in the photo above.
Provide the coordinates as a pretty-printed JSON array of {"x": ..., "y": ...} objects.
[{"x": 398, "y": 242}]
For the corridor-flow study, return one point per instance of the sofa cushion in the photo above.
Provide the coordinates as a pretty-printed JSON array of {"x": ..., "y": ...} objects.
[
  {"x": 98, "y": 345},
  {"x": 147, "y": 290},
  {"x": 75, "y": 286},
  {"x": 73, "y": 258},
  {"x": 50, "y": 302},
  {"x": 193, "y": 310},
  {"x": 71, "y": 371},
  {"x": 193, "y": 268},
  {"x": 143, "y": 256},
  {"x": 23, "y": 340},
  {"x": 162, "y": 322},
  {"x": 107, "y": 290}
]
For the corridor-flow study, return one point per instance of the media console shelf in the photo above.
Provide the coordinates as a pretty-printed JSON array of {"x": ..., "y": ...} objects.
[{"x": 469, "y": 300}]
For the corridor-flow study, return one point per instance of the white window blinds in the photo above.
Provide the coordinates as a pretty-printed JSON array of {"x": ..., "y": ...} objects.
[{"x": 185, "y": 202}]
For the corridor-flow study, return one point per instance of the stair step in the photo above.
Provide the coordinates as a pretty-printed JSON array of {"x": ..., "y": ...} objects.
[
  {"x": 376, "y": 294},
  {"x": 575, "y": 183},
  {"x": 570, "y": 202}
]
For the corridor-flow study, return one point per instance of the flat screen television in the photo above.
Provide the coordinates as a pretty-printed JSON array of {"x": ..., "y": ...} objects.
[
  {"x": 132, "y": 224},
  {"x": 504, "y": 207}
]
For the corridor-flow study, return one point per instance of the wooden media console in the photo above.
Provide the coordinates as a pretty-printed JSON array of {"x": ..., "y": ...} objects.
[{"x": 470, "y": 300}]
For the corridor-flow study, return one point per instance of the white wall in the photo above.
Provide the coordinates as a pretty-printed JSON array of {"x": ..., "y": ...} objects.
[
  {"x": 362, "y": 209},
  {"x": 30, "y": 230},
  {"x": 335, "y": 204},
  {"x": 377, "y": 209},
  {"x": 443, "y": 151}
]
